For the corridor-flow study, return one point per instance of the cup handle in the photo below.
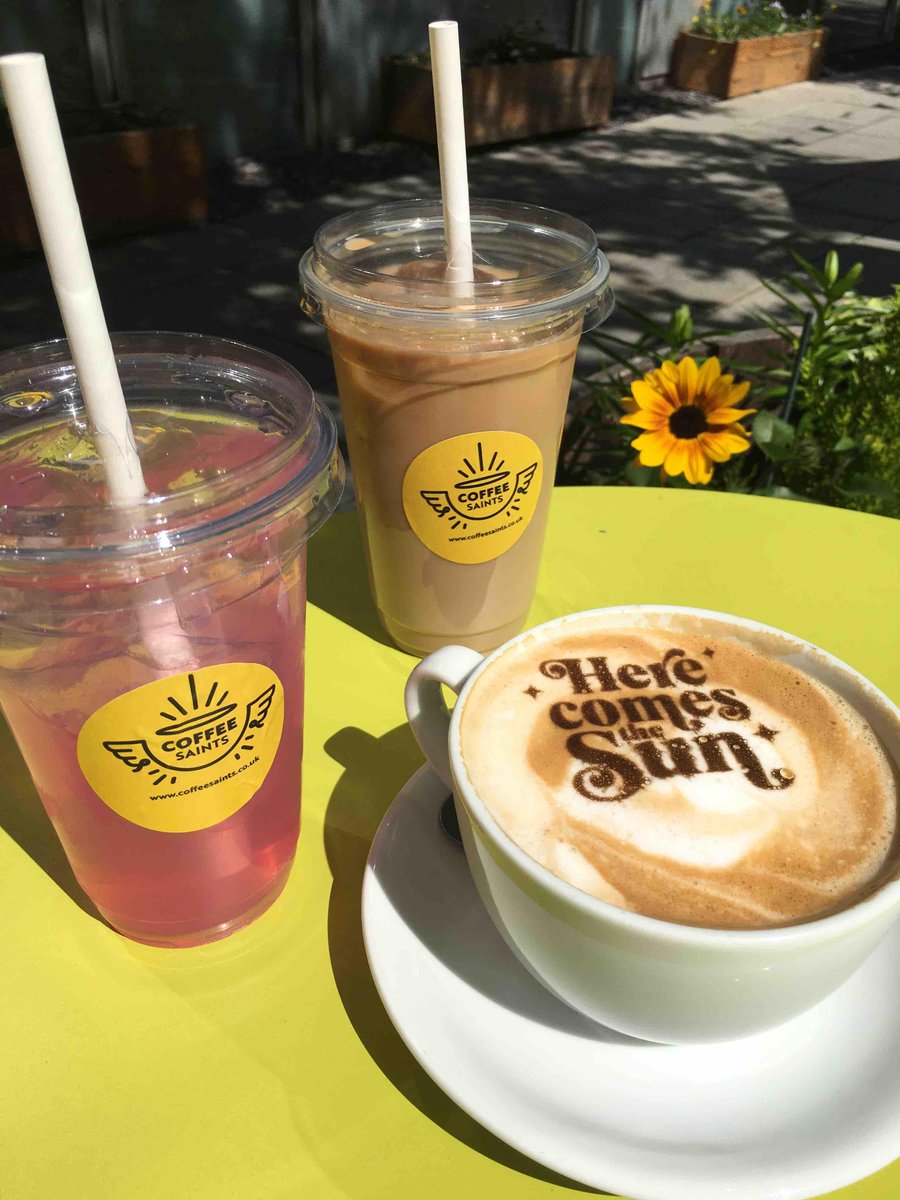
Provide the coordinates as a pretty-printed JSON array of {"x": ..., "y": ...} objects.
[{"x": 428, "y": 715}]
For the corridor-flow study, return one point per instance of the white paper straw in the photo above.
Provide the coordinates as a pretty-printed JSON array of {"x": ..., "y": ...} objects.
[
  {"x": 32, "y": 112},
  {"x": 26, "y": 87},
  {"x": 446, "y": 73}
]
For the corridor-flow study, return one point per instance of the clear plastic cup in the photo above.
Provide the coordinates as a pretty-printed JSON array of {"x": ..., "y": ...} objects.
[
  {"x": 151, "y": 655},
  {"x": 454, "y": 398}
]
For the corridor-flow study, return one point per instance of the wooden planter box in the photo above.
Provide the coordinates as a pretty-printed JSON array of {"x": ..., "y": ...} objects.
[
  {"x": 125, "y": 181},
  {"x": 505, "y": 102},
  {"x": 727, "y": 69}
]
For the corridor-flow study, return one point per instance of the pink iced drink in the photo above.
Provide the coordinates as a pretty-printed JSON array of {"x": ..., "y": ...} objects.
[{"x": 243, "y": 604}]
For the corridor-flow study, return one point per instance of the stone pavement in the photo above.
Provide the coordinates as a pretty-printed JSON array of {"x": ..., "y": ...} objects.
[{"x": 690, "y": 206}]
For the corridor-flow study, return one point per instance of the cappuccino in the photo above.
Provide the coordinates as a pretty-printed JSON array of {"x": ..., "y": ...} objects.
[{"x": 689, "y": 774}]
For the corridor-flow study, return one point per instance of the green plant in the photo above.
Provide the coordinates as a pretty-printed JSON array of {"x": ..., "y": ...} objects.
[
  {"x": 523, "y": 41},
  {"x": 79, "y": 119},
  {"x": 828, "y": 425},
  {"x": 520, "y": 42},
  {"x": 842, "y": 443},
  {"x": 764, "y": 18}
]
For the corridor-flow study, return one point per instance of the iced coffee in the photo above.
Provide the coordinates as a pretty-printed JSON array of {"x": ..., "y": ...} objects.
[{"x": 454, "y": 397}]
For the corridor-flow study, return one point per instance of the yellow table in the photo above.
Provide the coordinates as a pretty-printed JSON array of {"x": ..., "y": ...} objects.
[{"x": 264, "y": 1067}]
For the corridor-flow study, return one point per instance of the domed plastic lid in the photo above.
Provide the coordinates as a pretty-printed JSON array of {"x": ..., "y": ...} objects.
[
  {"x": 230, "y": 438},
  {"x": 531, "y": 264}
]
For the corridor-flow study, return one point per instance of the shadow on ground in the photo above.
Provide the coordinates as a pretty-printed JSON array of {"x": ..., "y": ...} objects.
[
  {"x": 24, "y": 818},
  {"x": 338, "y": 580},
  {"x": 691, "y": 206},
  {"x": 375, "y": 769}
]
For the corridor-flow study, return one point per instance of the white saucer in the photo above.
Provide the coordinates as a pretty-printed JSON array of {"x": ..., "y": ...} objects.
[{"x": 808, "y": 1107}]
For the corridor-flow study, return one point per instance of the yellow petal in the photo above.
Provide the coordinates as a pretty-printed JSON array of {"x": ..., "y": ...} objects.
[
  {"x": 725, "y": 391},
  {"x": 725, "y": 416},
  {"x": 728, "y": 440},
  {"x": 677, "y": 458},
  {"x": 670, "y": 370},
  {"x": 649, "y": 398},
  {"x": 709, "y": 373},
  {"x": 653, "y": 447},
  {"x": 699, "y": 467},
  {"x": 737, "y": 392},
  {"x": 665, "y": 386},
  {"x": 690, "y": 466},
  {"x": 710, "y": 445},
  {"x": 687, "y": 380},
  {"x": 645, "y": 420}
]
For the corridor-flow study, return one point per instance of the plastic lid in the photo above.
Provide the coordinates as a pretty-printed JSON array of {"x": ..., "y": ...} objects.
[
  {"x": 386, "y": 263},
  {"x": 207, "y": 377}
]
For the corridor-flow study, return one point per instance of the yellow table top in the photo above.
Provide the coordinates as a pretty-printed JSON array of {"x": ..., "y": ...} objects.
[{"x": 264, "y": 1067}]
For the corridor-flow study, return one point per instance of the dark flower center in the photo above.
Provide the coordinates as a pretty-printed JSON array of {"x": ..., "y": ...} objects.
[{"x": 687, "y": 422}]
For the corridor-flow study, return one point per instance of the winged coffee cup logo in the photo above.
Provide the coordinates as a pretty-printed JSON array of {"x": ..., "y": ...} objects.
[
  {"x": 470, "y": 497},
  {"x": 483, "y": 493},
  {"x": 205, "y": 734}
]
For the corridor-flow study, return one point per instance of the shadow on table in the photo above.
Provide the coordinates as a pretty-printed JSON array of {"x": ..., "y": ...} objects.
[
  {"x": 338, "y": 581},
  {"x": 375, "y": 771},
  {"x": 25, "y": 820}
]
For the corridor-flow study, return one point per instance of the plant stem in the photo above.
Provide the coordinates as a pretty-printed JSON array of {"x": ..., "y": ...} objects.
[{"x": 802, "y": 346}]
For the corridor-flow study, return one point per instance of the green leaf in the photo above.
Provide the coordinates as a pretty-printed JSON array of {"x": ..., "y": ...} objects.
[
  {"x": 868, "y": 485},
  {"x": 651, "y": 326},
  {"x": 832, "y": 267},
  {"x": 799, "y": 286},
  {"x": 681, "y": 327},
  {"x": 624, "y": 361},
  {"x": 812, "y": 272},
  {"x": 850, "y": 280},
  {"x": 792, "y": 304},
  {"x": 640, "y": 476},
  {"x": 774, "y": 436},
  {"x": 844, "y": 443}
]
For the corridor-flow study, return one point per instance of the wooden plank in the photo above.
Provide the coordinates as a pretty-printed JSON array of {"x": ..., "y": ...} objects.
[
  {"x": 125, "y": 181},
  {"x": 509, "y": 101},
  {"x": 702, "y": 64},
  {"x": 763, "y": 63},
  {"x": 727, "y": 69}
]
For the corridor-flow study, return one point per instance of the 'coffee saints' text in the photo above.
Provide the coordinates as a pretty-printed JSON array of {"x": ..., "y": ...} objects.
[{"x": 644, "y": 754}]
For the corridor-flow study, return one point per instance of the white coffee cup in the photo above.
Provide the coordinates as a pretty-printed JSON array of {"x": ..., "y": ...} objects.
[{"x": 653, "y": 979}]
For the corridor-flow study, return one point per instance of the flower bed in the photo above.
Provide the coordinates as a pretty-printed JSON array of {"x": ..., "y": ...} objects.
[{"x": 751, "y": 49}]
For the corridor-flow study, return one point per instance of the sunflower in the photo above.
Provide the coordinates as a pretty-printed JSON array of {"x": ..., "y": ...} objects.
[{"x": 690, "y": 417}]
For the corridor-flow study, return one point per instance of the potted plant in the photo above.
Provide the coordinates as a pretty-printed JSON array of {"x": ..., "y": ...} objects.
[
  {"x": 758, "y": 45},
  {"x": 132, "y": 170},
  {"x": 515, "y": 85}
]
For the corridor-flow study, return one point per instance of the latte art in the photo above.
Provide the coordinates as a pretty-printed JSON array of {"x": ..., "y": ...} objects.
[{"x": 684, "y": 776}]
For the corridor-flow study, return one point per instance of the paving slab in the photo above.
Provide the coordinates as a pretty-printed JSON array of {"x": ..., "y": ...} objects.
[
  {"x": 887, "y": 126},
  {"x": 861, "y": 145},
  {"x": 787, "y": 130},
  {"x": 857, "y": 196},
  {"x": 691, "y": 206}
]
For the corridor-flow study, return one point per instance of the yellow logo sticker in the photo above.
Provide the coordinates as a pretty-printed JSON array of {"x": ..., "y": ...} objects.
[
  {"x": 188, "y": 751},
  {"x": 470, "y": 498}
]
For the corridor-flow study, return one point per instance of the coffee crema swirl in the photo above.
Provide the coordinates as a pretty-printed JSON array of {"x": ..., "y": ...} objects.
[{"x": 688, "y": 777}]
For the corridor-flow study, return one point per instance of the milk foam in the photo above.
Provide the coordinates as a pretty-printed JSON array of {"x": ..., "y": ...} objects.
[{"x": 684, "y": 776}]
